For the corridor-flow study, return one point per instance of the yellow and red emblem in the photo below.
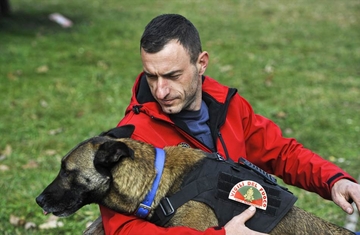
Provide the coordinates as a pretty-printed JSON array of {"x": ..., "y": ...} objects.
[{"x": 250, "y": 193}]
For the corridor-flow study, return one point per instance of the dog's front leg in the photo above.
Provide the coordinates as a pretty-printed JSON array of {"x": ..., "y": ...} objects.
[{"x": 195, "y": 215}]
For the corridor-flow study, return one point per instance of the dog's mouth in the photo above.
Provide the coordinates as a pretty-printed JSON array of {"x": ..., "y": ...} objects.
[{"x": 63, "y": 211}]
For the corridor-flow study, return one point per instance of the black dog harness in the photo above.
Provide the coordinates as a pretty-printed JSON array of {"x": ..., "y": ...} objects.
[{"x": 222, "y": 192}]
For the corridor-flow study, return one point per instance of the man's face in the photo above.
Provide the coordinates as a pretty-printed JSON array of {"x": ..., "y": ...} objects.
[{"x": 174, "y": 82}]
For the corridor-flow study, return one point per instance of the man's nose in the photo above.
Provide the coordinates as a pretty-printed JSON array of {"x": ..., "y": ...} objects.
[{"x": 162, "y": 88}]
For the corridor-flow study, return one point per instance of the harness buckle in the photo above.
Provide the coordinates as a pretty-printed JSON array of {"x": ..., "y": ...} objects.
[
  {"x": 166, "y": 206},
  {"x": 142, "y": 211},
  {"x": 143, "y": 206}
]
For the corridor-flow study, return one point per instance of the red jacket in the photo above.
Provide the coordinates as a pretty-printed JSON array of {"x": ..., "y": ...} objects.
[{"x": 238, "y": 132}]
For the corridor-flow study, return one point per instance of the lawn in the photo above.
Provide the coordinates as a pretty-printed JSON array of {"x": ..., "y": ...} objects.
[{"x": 296, "y": 62}]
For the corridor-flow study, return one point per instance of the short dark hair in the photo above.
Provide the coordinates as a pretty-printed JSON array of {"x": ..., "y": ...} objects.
[{"x": 167, "y": 27}]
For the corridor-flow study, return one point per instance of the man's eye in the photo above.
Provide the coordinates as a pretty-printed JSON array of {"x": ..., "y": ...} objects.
[
  {"x": 152, "y": 77},
  {"x": 174, "y": 77}
]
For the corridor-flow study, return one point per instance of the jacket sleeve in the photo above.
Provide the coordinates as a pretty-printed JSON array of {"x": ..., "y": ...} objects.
[
  {"x": 118, "y": 224},
  {"x": 286, "y": 158}
]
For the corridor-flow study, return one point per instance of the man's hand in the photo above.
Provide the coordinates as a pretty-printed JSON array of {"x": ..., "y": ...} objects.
[
  {"x": 236, "y": 226},
  {"x": 344, "y": 191}
]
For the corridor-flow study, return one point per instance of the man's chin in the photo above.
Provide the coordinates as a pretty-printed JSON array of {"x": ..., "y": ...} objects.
[{"x": 171, "y": 109}]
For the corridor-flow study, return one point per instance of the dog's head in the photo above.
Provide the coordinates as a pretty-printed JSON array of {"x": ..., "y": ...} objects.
[{"x": 85, "y": 174}]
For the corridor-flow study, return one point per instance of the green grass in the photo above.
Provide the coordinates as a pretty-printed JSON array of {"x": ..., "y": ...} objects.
[{"x": 297, "y": 62}]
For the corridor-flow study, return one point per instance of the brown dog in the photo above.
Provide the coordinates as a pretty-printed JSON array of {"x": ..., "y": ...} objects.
[{"x": 118, "y": 173}]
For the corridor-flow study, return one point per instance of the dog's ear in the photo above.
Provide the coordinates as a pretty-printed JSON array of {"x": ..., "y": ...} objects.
[
  {"x": 111, "y": 152},
  {"x": 120, "y": 132}
]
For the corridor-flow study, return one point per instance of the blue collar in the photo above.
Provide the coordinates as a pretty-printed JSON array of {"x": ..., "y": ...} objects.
[{"x": 144, "y": 208}]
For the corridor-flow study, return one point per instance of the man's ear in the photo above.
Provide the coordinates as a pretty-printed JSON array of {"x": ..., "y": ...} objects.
[
  {"x": 203, "y": 61},
  {"x": 110, "y": 153}
]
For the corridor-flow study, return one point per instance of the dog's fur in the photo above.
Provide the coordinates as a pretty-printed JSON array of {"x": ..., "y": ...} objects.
[{"x": 118, "y": 173}]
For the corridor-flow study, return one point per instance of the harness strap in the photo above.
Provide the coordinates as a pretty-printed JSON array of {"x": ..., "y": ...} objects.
[{"x": 144, "y": 208}]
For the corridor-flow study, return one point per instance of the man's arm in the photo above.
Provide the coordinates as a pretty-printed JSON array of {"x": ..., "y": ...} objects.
[
  {"x": 118, "y": 224},
  {"x": 288, "y": 159}
]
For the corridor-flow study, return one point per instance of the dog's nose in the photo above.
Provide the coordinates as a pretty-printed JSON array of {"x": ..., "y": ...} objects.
[{"x": 40, "y": 199}]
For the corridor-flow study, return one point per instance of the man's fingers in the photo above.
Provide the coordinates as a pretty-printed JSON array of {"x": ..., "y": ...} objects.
[
  {"x": 347, "y": 207},
  {"x": 343, "y": 203},
  {"x": 247, "y": 214},
  {"x": 237, "y": 226}
]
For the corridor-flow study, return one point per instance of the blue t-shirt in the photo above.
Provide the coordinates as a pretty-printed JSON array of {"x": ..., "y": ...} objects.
[{"x": 196, "y": 121}]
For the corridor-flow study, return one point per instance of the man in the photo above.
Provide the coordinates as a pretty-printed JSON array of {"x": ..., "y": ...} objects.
[{"x": 174, "y": 103}]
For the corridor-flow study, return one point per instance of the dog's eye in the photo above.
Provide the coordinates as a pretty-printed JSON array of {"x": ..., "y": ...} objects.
[{"x": 64, "y": 173}]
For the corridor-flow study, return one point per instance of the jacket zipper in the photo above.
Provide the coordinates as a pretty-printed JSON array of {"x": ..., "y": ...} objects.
[{"x": 224, "y": 145}]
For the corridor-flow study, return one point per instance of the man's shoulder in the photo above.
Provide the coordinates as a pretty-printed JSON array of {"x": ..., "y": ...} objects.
[{"x": 218, "y": 91}]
